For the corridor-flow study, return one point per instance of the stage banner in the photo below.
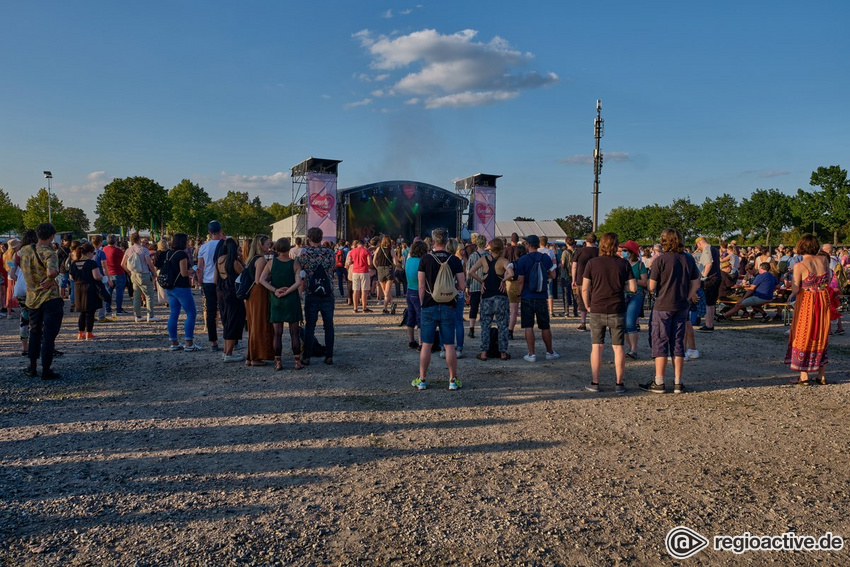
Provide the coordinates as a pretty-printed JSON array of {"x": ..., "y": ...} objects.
[
  {"x": 484, "y": 211},
  {"x": 321, "y": 203}
]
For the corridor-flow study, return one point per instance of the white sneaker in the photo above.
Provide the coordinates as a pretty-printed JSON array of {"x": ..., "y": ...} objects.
[
  {"x": 152, "y": 319},
  {"x": 552, "y": 355},
  {"x": 530, "y": 358},
  {"x": 460, "y": 354},
  {"x": 442, "y": 353},
  {"x": 233, "y": 358},
  {"x": 139, "y": 319},
  {"x": 693, "y": 354}
]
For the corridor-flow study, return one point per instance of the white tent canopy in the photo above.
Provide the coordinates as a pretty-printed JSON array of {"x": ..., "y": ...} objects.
[{"x": 550, "y": 229}]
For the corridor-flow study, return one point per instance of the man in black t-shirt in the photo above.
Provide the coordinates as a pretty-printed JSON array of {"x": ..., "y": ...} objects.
[
  {"x": 604, "y": 281},
  {"x": 580, "y": 259},
  {"x": 435, "y": 313},
  {"x": 674, "y": 279}
]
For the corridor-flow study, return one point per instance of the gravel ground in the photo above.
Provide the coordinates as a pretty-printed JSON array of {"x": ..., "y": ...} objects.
[{"x": 142, "y": 456}]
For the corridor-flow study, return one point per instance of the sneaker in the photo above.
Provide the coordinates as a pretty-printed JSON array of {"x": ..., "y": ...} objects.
[
  {"x": 653, "y": 387},
  {"x": 552, "y": 355},
  {"x": 81, "y": 336},
  {"x": 460, "y": 353},
  {"x": 530, "y": 358},
  {"x": 177, "y": 347},
  {"x": 582, "y": 327},
  {"x": 50, "y": 375},
  {"x": 233, "y": 358},
  {"x": 679, "y": 389},
  {"x": 121, "y": 312},
  {"x": 238, "y": 346},
  {"x": 90, "y": 337},
  {"x": 193, "y": 348},
  {"x": 705, "y": 329},
  {"x": 31, "y": 371},
  {"x": 139, "y": 319},
  {"x": 153, "y": 319},
  {"x": 101, "y": 320},
  {"x": 620, "y": 388},
  {"x": 414, "y": 345},
  {"x": 631, "y": 354},
  {"x": 692, "y": 354},
  {"x": 419, "y": 384},
  {"x": 442, "y": 354},
  {"x": 455, "y": 384},
  {"x": 592, "y": 387},
  {"x": 471, "y": 333}
]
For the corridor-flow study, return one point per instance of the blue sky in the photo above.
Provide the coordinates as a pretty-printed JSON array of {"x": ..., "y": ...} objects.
[{"x": 698, "y": 98}]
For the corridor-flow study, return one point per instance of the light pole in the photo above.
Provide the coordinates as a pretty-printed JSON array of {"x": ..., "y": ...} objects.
[
  {"x": 49, "y": 176},
  {"x": 598, "y": 132}
]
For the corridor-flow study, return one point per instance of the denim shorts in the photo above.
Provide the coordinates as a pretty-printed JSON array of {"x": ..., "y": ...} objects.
[{"x": 441, "y": 315}]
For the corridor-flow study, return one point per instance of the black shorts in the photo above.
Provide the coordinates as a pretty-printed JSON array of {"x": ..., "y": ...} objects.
[
  {"x": 474, "y": 303},
  {"x": 531, "y": 308},
  {"x": 711, "y": 287}
]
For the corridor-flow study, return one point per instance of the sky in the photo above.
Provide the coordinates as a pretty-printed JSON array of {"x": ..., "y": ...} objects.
[{"x": 699, "y": 99}]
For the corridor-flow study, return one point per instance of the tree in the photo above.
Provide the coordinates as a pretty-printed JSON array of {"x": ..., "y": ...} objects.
[
  {"x": 133, "y": 201},
  {"x": 523, "y": 219},
  {"x": 190, "y": 207},
  {"x": 11, "y": 215},
  {"x": 625, "y": 221},
  {"x": 37, "y": 211},
  {"x": 765, "y": 212},
  {"x": 684, "y": 216},
  {"x": 718, "y": 217},
  {"x": 576, "y": 226},
  {"x": 241, "y": 216},
  {"x": 278, "y": 211},
  {"x": 76, "y": 221},
  {"x": 833, "y": 199}
]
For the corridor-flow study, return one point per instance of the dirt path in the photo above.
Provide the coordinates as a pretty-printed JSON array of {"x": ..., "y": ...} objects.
[{"x": 141, "y": 456}]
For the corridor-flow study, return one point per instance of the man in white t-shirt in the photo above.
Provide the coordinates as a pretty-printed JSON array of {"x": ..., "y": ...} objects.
[{"x": 207, "y": 255}]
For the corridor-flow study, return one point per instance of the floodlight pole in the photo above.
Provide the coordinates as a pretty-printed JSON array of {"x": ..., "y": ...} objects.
[
  {"x": 598, "y": 132},
  {"x": 49, "y": 176}
]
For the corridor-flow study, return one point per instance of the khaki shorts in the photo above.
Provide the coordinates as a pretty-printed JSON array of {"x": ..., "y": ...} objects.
[{"x": 360, "y": 282}]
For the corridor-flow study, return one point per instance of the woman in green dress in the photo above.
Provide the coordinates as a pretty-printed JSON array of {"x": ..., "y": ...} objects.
[{"x": 282, "y": 278}]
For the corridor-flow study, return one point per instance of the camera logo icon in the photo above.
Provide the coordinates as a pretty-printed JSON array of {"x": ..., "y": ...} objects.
[{"x": 683, "y": 542}]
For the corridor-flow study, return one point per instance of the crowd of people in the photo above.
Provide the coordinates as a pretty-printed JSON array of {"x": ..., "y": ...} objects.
[{"x": 267, "y": 288}]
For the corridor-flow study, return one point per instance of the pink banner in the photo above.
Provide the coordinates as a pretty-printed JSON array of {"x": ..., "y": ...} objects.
[
  {"x": 321, "y": 203},
  {"x": 484, "y": 212}
]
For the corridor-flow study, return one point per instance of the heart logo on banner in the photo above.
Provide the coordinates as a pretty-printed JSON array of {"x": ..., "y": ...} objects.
[
  {"x": 322, "y": 204},
  {"x": 409, "y": 190},
  {"x": 484, "y": 212}
]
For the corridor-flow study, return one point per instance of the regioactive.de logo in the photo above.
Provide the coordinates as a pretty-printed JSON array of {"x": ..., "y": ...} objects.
[{"x": 683, "y": 542}]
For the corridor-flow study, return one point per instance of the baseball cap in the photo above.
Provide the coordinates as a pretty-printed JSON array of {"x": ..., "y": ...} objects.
[
  {"x": 532, "y": 240},
  {"x": 214, "y": 227}
]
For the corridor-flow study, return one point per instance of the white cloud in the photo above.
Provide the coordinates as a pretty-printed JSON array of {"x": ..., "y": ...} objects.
[
  {"x": 364, "y": 102},
  {"x": 452, "y": 70},
  {"x": 387, "y": 15},
  {"x": 96, "y": 180},
  {"x": 255, "y": 183},
  {"x": 779, "y": 173},
  {"x": 587, "y": 159}
]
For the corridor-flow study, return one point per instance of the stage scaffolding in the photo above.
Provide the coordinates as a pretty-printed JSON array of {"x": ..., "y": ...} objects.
[
  {"x": 299, "y": 188},
  {"x": 466, "y": 188}
]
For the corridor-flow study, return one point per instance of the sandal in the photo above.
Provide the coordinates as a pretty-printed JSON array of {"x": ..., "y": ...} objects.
[
  {"x": 800, "y": 382},
  {"x": 506, "y": 356},
  {"x": 298, "y": 365},
  {"x": 822, "y": 381},
  {"x": 278, "y": 364},
  {"x": 480, "y": 357}
]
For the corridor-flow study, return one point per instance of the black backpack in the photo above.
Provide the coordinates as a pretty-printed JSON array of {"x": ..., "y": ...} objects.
[
  {"x": 319, "y": 284},
  {"x": 167, "y": 274},
  {"x": 247, "y": 280}
]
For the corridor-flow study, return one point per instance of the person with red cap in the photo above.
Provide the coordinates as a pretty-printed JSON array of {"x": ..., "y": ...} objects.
[{"x": 634, "y": 301}]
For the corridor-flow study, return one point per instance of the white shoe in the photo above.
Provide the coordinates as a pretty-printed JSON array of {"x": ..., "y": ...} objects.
[
  {"x": 693, "y": 354},
  {"x": 530, "y": 358},
  {"x": 152, "y": 319},
  {"x": 442, "y": 354},
  {"x": 552, "y": 355},
  {"x": 460, "y": 354},
  {"x": 233, "y": 358},
  {"x": 139, "y": 319}
]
